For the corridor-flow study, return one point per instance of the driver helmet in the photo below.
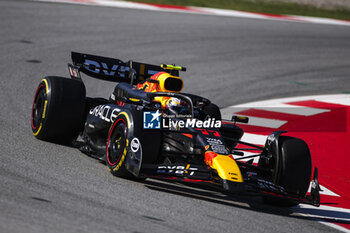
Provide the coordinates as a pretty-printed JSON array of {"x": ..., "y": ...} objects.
[{"x": 176, "y": 106}]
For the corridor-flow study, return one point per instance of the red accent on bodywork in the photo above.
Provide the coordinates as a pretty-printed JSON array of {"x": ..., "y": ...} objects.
[
  {"x": 203, "y": 131},
  {"x": 209, "y": 156},
  {"x": 150, "y": 87},
  {"x": 192, "y": 180},
  {"x": 207, "y": 131},
  {"x": 180, "y": 179},
  {"x": 120, "y": 103},
  {"x": 188, "y": 135}
]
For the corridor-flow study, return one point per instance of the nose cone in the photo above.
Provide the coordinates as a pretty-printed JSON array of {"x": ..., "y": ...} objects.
[{"x": 225, "y": 166}]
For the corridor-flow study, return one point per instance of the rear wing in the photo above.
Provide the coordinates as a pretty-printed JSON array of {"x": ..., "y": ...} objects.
[{"x": 115, "y": 70}]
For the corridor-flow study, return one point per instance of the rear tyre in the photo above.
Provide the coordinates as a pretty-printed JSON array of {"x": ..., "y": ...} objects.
[
  {"x": 58, "y": 110},
  {"x": 293, "y": 172},
  {"x": 117, "y": 147}
]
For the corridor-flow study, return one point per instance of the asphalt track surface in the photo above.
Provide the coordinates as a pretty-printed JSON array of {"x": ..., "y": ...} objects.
[{"x": 53, "y": 188}]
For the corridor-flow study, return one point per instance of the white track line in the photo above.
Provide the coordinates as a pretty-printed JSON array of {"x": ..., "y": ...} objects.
[
  {"x": 279, "y": 105},
  {"x": 326, "y": 214},
  {"x": 233, "y": 13},
  {"x": 304, "y": 19},
  {"x": 325, "y": 191},
  {"x": 323, "y": 214},
  {"x": 337, "y": 100},
  {"x": 272, "y": 102},
  {"x": 323, "y": 20},
  {"x": 123, "y": 4},
  {"x": 205, "y": 11},
  {"x": 254, "y": 138},
  {"x": 340, "y": 228},
  {"x": 272, "y": 107}
]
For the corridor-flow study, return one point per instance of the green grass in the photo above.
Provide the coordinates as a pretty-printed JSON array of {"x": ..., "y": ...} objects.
[{"x": 272, "y": 7}]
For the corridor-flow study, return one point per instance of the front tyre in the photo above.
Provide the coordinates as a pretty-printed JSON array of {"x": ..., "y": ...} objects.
[
  {"x": 293, "y": 172},
  {"x": 58, "y": 109},
  {"x": 117, "y": 147},
  {"x": 212, "y": 111}
]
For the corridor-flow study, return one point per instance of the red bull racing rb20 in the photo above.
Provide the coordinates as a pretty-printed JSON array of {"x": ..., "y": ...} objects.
[{"x": 148, "y": 128}]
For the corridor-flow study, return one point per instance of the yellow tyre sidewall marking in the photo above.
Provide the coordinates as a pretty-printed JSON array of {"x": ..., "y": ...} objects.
[
  {"x": 45, "y": 107},
  {"x": 44, "y": 112},
  {"x": 37, "y": 132}
]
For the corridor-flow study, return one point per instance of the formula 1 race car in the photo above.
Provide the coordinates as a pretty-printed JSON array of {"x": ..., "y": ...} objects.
[{"x": 149, "y": 129}]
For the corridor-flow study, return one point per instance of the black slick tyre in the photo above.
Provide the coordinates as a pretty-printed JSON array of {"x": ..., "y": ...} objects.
[
  {"x": 212, "y": 111},
  {"x": 117, "y": 147},
  {"x": 58, "y": 110},
  {"x": 293, "y": 172}
]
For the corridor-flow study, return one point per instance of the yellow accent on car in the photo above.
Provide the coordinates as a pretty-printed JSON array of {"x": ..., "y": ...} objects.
[
  {"x": 227, "y": 168},
  {"x": 171, "y": 67},
  {"x": 163, "y": 78},
  {"x": 134, "y": 99},
  {"x": 142, "y": 72}
]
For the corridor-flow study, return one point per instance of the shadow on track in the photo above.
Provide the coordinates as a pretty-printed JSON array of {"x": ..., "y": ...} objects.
[
  {"x": 245, "y": 201},
  {"x": 248, "y": 202}
]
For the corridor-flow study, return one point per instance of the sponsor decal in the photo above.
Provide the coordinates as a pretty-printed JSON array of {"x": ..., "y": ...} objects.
[
  {"x": 135, "y": 145},
  {"x": 74, "y": 71},
  {"x": 217, "y": 146},
  {"x": 105, "y": 112},
  {"x": 97, "y": 67},
  {"x": 176, "y": 170},
  {"x": 151, "y": 119},
  {"x": 109, "y": 69},
  {"x": 219, "y": 149},
  {"x": 214, "y": 141}
]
